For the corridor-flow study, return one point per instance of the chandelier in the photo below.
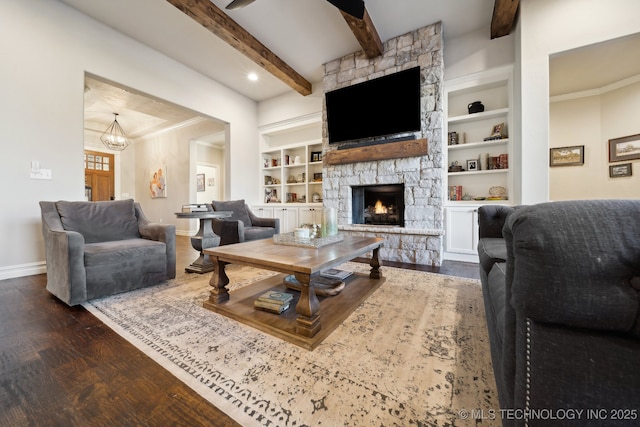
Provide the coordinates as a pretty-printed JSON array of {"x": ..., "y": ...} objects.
[{"x": 114, "y": 137}]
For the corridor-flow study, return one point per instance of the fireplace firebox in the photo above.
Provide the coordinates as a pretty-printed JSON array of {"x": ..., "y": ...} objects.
[{"x": 378, "y": 204}]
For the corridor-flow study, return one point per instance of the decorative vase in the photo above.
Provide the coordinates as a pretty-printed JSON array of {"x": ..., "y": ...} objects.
[
  {"x": 329, "y": 222},
  {"x": 475, "y": 107}
]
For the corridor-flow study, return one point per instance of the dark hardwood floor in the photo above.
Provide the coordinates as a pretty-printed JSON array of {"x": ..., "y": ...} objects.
[{"x": 60, "y": 366}]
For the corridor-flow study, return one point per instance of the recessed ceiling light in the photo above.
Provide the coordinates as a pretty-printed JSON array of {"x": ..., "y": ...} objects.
[{"x": 252, "y": 76}]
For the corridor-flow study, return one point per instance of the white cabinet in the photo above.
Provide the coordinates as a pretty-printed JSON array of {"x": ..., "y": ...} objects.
[
  {"x": 263, "y": 212},
  {"x": 288, "y": 218},
  {"x": 310, "y": 215},
  {"x": 291, "y": 217},
  {"x": 461, "y": 238}
]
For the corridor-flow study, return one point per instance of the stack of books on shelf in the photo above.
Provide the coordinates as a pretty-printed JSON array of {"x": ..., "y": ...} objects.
[
  {"x": 499, "y": 162},
  {"x": 455, "y": 192},
  {"x": 273, "y": 301}
]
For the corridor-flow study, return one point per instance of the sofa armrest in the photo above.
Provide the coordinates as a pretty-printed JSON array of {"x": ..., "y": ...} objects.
[
  {"x": 257, "y": 221},
  {"x": 576, "y": 264},
  {"x": 159, "y": 232},
  {"x": 64, "y": 252},
  {"x": 230, "y": 231},
  {"x": 491, "y": 219}
]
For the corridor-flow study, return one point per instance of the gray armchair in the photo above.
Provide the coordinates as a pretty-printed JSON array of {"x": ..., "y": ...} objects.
[
  {"x": 96, "y": 249},
  {"x": 243, "y": 225}
]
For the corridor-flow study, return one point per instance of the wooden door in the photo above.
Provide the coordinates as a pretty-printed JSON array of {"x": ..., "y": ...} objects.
[{"x": 99, "y": 175}]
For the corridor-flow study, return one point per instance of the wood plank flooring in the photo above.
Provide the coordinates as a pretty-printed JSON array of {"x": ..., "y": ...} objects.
[{"x": 60, "y": 366}]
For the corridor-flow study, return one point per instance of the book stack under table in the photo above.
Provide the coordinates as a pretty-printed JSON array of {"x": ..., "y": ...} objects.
[{"x": 273, "y": 301}]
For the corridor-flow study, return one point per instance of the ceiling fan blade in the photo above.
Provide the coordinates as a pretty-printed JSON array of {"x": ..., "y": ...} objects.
[
  {"x": 354, "y": 8},
  {"x": 237, "y": 4}
]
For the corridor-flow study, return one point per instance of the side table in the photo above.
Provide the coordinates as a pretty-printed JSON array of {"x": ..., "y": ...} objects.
[{"x": 205, "y": 238}]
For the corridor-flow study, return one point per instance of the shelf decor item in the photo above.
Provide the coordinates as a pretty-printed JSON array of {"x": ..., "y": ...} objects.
[
  {"x": 472, "y": 165},
  {"x": 329, "y": 222},
  {"x": 475, "y": 107},
  {"x": 625, "y": 148},
  {"x": 567, "y": 156},
  {"x": 290, "y": 239},
  {"x": 453, "y": 138}
]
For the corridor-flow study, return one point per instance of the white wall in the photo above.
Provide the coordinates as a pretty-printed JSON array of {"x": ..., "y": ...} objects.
[
  {"x": 46, "y": 49},
  {"x": 547, "y": 27},
  {"x": 475, "y": 51},
  {"x": 591, "y": 121}
]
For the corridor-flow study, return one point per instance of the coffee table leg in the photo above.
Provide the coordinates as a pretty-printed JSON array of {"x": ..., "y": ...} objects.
[
  {"x": 308, "y": 308},
  {"x": 219, "y": 280},
  {"x": 375, "y": 265}
]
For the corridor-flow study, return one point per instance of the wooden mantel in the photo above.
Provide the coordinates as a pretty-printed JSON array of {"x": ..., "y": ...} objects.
[{"x": 383, "y": 151}]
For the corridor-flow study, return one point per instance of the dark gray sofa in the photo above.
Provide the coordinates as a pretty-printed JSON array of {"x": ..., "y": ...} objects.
[
  {"x": 243, "y": 225},
  {"x": 96, "y": 249},
  {"x": 561, "y": 288}
]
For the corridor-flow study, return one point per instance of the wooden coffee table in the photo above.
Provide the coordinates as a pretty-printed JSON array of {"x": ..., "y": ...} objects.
[{"x": 303, "y": 326}]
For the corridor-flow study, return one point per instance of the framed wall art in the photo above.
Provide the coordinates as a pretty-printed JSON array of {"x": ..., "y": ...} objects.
[
  {"x": 625, "y": 148},
  {"x": 566, "y": 156},
  {"x": 617, "y": 171},
  {"x": 200, "y": 182},
  {"x": 158, "y": 183}
]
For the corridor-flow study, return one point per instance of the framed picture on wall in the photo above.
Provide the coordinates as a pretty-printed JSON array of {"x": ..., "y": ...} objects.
[
  {"x": 158, "y": 183},
  {"x": 625, "y": 148},
  {"x": 200, "y": 182},
  {"x": 567, "y": 156},
  {"x": 617, "y": 171}
]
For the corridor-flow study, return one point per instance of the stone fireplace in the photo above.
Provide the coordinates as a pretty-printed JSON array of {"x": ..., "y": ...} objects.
[{"x": 417, "y": 235}]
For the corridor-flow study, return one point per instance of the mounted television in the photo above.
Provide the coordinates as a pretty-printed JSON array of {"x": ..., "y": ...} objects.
[{"x": 380, "y": 107}]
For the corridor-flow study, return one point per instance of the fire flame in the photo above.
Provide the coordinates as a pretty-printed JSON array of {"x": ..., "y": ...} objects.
[{"x": 380, "y": 208}]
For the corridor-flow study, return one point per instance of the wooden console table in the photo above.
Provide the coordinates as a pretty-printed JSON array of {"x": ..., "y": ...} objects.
[{"x": 303, "y": 326}]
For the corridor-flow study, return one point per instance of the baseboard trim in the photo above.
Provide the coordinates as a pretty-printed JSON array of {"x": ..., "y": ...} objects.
[{"x": 22, "y": 270}]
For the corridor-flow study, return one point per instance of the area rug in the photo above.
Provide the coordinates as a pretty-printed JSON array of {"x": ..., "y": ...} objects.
[{"x": 414, "y": 353}]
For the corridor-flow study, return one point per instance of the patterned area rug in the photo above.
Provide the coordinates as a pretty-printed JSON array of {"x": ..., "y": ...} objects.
[{"x": 416, "y": 352}]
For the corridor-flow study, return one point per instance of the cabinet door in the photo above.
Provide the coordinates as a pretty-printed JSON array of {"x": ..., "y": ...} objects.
[
  {"x": 462, "y": 234},
  {"x": 309, "y": 216},
  {"x": 288, "y": 219},
  {"x": 263, "y": 212}
]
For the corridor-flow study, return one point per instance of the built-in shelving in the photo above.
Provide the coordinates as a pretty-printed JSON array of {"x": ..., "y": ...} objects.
[{"x": 494, "y": 90}]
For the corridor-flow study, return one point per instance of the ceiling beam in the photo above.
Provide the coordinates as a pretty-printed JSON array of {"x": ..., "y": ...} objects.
[
  {"x": 365, "y": 33},
  {"x": 504, "y": 16},
  {"x": 215, "y": 20}
]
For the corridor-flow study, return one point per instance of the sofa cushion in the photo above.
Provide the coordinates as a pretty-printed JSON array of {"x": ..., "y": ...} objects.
[
  {"x": 117, "y": 252},
  {"x": 490, "y": 251},
  {"x": 100, "y": 221},
  {"x": 238, "y": 207}
]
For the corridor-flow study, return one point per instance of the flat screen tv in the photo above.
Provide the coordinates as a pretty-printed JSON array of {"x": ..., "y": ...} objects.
[{"x": 380, "y": 107}]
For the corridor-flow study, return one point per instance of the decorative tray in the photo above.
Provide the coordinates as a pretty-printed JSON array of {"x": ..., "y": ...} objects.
[{"x": 290, "y": 239}]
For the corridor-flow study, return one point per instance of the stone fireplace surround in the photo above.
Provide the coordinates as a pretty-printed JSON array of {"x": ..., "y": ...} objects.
[{"x": 420, "y": 241}]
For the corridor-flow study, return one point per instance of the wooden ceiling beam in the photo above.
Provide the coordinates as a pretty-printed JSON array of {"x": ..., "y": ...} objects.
[
  {"x": 215, "y": 20},
  {"x": 504, "y": 16},
  {"x": 365, "y": 33}
]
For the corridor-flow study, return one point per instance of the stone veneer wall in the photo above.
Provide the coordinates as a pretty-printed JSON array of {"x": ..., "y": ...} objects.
[{"x": 420, "y": 241}]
